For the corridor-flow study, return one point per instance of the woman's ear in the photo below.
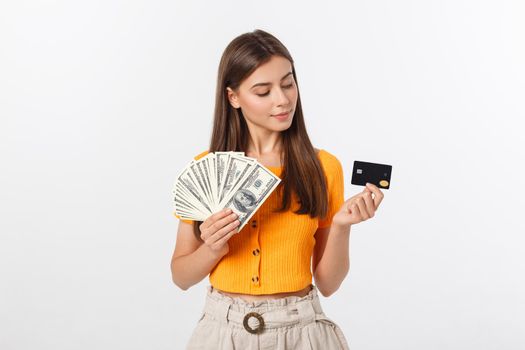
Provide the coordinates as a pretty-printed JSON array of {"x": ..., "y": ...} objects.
[{"x": 232, "y": 98}]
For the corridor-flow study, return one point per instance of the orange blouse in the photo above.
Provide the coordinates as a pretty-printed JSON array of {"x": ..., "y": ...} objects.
[{"x": 273, "y": 252}]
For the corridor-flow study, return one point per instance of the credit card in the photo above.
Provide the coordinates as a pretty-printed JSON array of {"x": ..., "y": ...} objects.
[{"x": 377, "y": 174}]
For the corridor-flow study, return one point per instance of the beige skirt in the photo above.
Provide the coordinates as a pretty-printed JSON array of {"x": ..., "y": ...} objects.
[{"x": 292, "y": 322}]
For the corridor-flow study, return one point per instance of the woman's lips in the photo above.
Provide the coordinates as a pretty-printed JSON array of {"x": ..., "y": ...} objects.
[{"x": 282, "y": 116}]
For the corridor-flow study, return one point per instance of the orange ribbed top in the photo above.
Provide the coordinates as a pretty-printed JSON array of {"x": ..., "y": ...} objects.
[{"x": 273, "y": 252}]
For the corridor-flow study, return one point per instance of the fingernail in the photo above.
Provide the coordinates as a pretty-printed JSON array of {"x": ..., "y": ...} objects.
[{"x": 368, "y": 183}]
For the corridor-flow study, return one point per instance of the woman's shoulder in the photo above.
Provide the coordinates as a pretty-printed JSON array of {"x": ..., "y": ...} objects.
[
  {"x": 202, "y": 154},
  {"x": 328, "y": 159}
]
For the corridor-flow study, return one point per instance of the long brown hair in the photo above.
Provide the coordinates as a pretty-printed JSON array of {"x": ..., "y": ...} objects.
[{"x": 302, "y": 173}]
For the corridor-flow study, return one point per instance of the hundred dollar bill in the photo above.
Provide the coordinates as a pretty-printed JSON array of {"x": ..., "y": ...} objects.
[
  {"x": 204, "y": 171},
  {"x": 212, "y": 161},
  {"x": 251, "y": 192},
  {"x": 223, "y": 159},
  {"x": 182, "y": 192},
  {"x": 187, "y": 181},
  {"x": 198, "y": 172},
  {"x": 191, "y": 192},
  {"x": 237, "y": 168},
  {"x": 182, "y": 204}
]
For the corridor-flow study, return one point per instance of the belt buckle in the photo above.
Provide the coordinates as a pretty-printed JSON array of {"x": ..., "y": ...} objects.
[{"x": 257, "y": 330}]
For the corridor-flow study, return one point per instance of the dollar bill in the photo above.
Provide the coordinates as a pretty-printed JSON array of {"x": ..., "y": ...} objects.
[
  {"x": 191, "y": 185},
  {"x": 236, "y": 168},
  {"x": 250, "y": 193},
  {"x": 219, "y": 180}
]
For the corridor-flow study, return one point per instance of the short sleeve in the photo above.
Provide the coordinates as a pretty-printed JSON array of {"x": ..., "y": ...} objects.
[
  {"x": 197, "y": 157},
  {"x": 335, "y": 185},
  {"x": 183, "y": 220}
]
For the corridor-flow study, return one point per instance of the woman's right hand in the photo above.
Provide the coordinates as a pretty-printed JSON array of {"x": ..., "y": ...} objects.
[{"x": 217, "y": 229}]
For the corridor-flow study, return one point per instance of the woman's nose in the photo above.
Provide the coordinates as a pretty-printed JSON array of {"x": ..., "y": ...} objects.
[{"x": 280, "y": 98}]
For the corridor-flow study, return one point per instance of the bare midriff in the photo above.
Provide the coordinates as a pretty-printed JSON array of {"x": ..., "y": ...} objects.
[{"x": 252, "y": 297}]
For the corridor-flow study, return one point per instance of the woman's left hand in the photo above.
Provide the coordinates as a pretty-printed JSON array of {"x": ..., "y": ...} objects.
[{"x": 360, "y": 207}]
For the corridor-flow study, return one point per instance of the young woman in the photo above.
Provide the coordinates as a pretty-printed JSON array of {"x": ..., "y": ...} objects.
[{"x": 261, "y": 294}]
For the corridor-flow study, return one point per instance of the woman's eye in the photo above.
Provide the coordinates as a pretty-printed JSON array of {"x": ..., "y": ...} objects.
[{"x": 266, "y": 93}]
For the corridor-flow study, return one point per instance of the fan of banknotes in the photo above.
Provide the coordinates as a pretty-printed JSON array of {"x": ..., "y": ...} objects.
[{"x": 222, "y": 180}]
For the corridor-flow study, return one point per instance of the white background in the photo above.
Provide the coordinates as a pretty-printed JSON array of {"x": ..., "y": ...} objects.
[{"x": 103, "y": 102}]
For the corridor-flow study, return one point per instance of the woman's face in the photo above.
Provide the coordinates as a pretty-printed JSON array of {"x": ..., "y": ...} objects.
[{"x": 268, "y": 91}]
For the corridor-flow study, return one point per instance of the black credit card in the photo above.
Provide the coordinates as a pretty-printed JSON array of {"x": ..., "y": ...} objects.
[{"x": 377, "y": 174}]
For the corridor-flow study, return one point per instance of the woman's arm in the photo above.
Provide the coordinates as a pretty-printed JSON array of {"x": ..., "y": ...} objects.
[
  {"x": 331, "y": 261},
  {"x": 193, "y": 260},
  {"x": 331, "y": 258}
]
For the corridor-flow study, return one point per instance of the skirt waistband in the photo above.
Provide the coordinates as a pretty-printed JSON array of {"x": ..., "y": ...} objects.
[{"x": 258, "y": 315}]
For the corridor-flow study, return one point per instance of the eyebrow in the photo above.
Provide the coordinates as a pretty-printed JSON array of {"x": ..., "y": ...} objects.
[{"x": 263, "y": 84}]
